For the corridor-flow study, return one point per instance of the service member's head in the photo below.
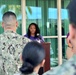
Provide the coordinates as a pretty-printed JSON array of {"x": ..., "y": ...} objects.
[
  {"x": 33, "y": 57},
  {"x": 72, "y": 17},
  {"x": 72, "y": 27},
  {"x": 9, "y": 21}
]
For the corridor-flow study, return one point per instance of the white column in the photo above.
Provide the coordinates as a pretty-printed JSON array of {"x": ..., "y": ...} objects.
[
  {"x": 59, "y": 32},
  {"x": 23, "y": 5}
]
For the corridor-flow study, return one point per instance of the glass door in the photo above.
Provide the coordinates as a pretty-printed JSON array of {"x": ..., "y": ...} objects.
[{"x": 42, "y": 13}]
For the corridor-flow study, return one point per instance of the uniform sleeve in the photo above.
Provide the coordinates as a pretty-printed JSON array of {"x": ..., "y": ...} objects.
[
  {"x": 53, "y": 71},
  {"x": 25, "y": 40},
  {"x": 1, "y": 62}
]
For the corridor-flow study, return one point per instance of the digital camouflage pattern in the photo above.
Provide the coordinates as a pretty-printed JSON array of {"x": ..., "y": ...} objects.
[
  {"x": 68, "y": 68},
  {"x": 11, "y": 46},
  {"x": 34, "y": 73}
]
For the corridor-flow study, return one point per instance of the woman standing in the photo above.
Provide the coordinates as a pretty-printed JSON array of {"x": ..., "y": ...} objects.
[{"x": 33, "y": 33}]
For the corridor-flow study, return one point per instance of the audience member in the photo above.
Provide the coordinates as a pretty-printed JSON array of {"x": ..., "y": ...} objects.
[
  {"x": 11, "y": 44},
  {"x": 33, "y": 57}
]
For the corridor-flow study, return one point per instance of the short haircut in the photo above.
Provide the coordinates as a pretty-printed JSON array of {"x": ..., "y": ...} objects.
[
  {"x": 8, "y": 13},
  {"x": 32, "y": 55},
  {"x": 8, "y": 17}
]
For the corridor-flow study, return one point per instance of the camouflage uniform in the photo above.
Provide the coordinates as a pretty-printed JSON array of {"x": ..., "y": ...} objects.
[
  {"x": 11, "y": 46},
  {"x": 34, "y": 73},
  {"x": 68, "y": 68}
]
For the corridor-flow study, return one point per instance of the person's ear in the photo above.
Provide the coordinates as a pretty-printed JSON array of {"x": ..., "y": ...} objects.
[
  {"x": 42, "y": 63},
  {"x": 2, "y": 24},
  {"x": 16, "y": 24}
]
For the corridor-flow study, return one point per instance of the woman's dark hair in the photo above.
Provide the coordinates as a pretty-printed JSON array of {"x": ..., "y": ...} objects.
[
  {"x": 32, "y": 55},
  {"x": 37, "y": 30}
]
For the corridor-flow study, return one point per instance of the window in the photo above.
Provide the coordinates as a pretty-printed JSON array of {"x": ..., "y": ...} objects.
[{"x": 11, "y": 5}]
